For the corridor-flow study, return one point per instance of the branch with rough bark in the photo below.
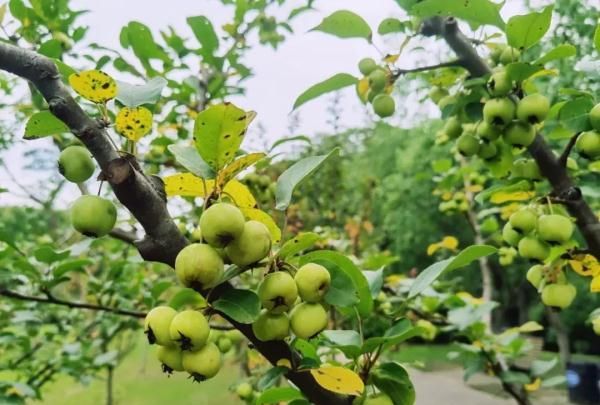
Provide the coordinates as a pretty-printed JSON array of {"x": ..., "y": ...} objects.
[
  {"x": 141, "y": 194},
  {"x": 551, "y": 166}
]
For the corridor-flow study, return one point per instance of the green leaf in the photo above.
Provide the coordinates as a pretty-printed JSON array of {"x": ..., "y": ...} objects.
[
  {"x": 187, "y": 297},
  {"x": 46, "y": 254},
  {"x": 519, "y": 71},
  {"x": 400, "y": 332},
  {"x": 524, "y": 31},
  {"x": 301, "y": 138},
  {"x": 431, "y": 273},
  {"x": 108, "y": 358},
  {"x": 393, "y": 380},
  {"x": 64, "y": 69},
  {"x": 187, "y": 156},
  {"x": 131, "y": 95},
  {"x": 240, "y": 305},
  {"x": 2, "y": 12},
  {"x": 559, "y": 52},
  {"x": 141, "y": 40},
  {"x": 345, "y": 24},
  {"x": 329, "y": 257},
  {"x": 44, "y": 123},
  {"x": 278, "y": 394},
  {"x": 476, "y": 12},
  {"x": 510, "y": 187},
  {"x": 335, "y": 82},
  {"x": 299, "y": 243},
  {"x": 574, "y": 114},
  {"x": 65, "y": 267},
  {"x": 219, "y": 131},
  {"x": 289, "y": 179},
  {"x": 159, "y": 288},
  {"x": 392, "y": 25},
  {"x": 541, "y": 367},
  {"x": 271, "y": 377},
  {"x": 375, "y": 279},
  {"x": 205, "y": 34},
  {"x": 597, "y": 38},
  {"x": 348, "y": 341},
  {"x": 554, "y": 381},
  {"x": 515, "y": 377}
]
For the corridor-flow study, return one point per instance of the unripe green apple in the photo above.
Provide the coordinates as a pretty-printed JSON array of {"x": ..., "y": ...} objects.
[
  {"x": 487, "y": 132},
  {"x": 384, "y": 105},
  {"x": 558, "y": 295},
  {"x": 499, "y": 84},
  {"x": 199, "y": 266},
  {"x": 190, "y": 330},
  {"x": 307, "y": 320},
  {"x": 509, "y": 55},
  {"x": 510, "y": 236},
  {"x": 594, "y": 117},
  {"x": 371, "y": 94},
  {"x": 588, "y": 144},
  {"x": 252, "y": 246},
  {"x": 467, "y": 144},
  {"x": 221, "y": 224},
  {"x": 235, "y": 335},
  {"x": 196, "y": 235},
  {"x": 313, "y": 281},
  {"x": 204, "y": 363},
  {"x": 428, "y": 330},
  {"x": 596, "y": 326},
  {"x": 75, "y": 164},
  {"x": 367, "y": 66},
  {"x": 499, "y": 111},
  {"x": 437, "y": 93},
  {"x": 93, "y": 216},
  {"x": 377, "y": 79},
  {"x": 453, "y": 127},
  {"x": 244, "y": 390},
  {"x": 278, "y": 292},
  {"x": 496, "y": 52},
  {"x": 535, "y": 275},
  {"x": 170, "y": 358},
  {"x": 156, "y": 325},
  {"x": 554, "y": 229},
  {"x": 224, "y": 344},
  {"x": 269, "y": 326},
  {"x": 446, "y": 101},
  {"x": 379, "y": 399},
  {"x": 523, "y": 221},
  {"x": 487, "y": 150},
  {"x": 533, "y": 108},
  {"x": 526, "y": 168},
  {"x": 532, "y": 248},
  {"x": 519, "y": 133}
]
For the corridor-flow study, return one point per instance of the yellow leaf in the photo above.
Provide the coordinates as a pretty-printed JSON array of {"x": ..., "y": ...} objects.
[
  {"x": 338, "y": 379},
  {"x": 94, "y": 85},
  {"x": 133, "y": 122},
  {"x": 474, "y": 188},
  {"x": 238, "y": 165},
  {"x": 508, "y": 210},
  {"x": 391, "y": 58},
  {"x": 394, "y": 279},
  {"x": 595, "y": 284},
  {"x": 446, "y": 196},
  {"x": 261, "y": 216},
  {"x": 585, "y": 265},
  {"x": 530, "y": 326},
  {"x": 187, "y": 185},
  {"x": 500, "y": 197},
  {"x": 431, "y": 249},
  {"x": 239, "y": 194},
  {"x": 534, "y": 386},
  {"x": 284, "y": 363},
  {"x": 449, "y": 242},
  {"x": 362, "y": 89}
]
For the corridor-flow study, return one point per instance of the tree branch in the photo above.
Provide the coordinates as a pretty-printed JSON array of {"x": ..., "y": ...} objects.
[
  {"x": 143, "y": 196},
  {"x": 550, "y": 166},
  {"x": 568, "y": 148},
  {"x": 453, "y": 63}
]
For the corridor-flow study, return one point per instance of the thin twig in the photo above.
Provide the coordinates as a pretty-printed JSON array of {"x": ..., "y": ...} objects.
[{"x": 568, "y": 148}]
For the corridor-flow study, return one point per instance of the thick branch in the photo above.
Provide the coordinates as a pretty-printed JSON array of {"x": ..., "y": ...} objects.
[{"x": 550, "y": 166}]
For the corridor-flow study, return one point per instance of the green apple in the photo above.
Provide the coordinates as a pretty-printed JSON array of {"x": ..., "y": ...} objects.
[
  {"x": 196, "y": 235},
  {"x": 307, "y": 320},
  {"x": 379, "y": 399},
  {"x": 594, "y": 117},
  {"x": 535, "y": 275},
  {"x": 509, "y": 55},
  {"x": 523, "y": 221},
  {"x": 453, "y": 127},
  {"x": 367, "y": 66},
  {"x": 377, "y": 79},
  {"x": 532, "y": 248},
  {"x": 204, "y": 363},
  {"x": 487, "y": 150},
  {"x": 510, "y": 236},
  {"x": 533, "y": 108},
  {"x": 170, "y": 358},
  {"x": 446, "y": 101},
  {"x": 224, "y": 344},
  {"x": 499, "y": 112},
  {"x": 588, "y": 144},
  {"x": 93, "y": 216},
  {"x": 384, "y": 105},
  {"x": 437, "y": 93},
  {"x": 527, "y": 169},
  {"x": 496, "y": 52},
  {"x": 190, "y": 330},
  {"x": 499, "y": 84},
  {"x": 252, "y": 246},
  {"x": 244, "y": 390},
  {"x": 278, "y": 292},
  {"x": 519, "y": 133},
  {"x": 269, "y": 326},
  {"x": 558, "y": 295},
  {"x": 487, "y": 132},
  {"x": 199, "y": 266},
  {"x": 157, "y": 323},
  {"x": 467, "y": 144},
  {"x": 75, "y": 164},
  {"x": 428, "y": 330},
  {"x": 313, "y": 281},
  {"x": 554, "y": 228},
  {"x": 221, "y": 224}
]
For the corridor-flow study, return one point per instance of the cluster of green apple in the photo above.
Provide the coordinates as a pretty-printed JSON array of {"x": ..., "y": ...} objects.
[
  {"x": 226, "y": 237},
  {"x": 91, "y": 215},
  {"x": 379, "y": 79},
  {"x": 261, "y": 186},
  {"x": 183, "y": 340},
  {"x": 301, "y": 296},
  {"x": 458, "y": 202}
]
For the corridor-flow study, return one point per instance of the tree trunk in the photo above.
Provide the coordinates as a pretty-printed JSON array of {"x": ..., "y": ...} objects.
[{"x": 562, "y": 337}]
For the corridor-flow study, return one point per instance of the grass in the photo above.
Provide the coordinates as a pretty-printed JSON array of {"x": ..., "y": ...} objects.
[{"x": 138, "y": 380}]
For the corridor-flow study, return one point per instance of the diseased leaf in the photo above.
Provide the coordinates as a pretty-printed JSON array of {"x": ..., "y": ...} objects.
[
  {"x": 133, "y": 122},
  {"x": 94, "y": 85},
  {"x": 338, "y": 379},
  {"x": 239, "y": 165}
]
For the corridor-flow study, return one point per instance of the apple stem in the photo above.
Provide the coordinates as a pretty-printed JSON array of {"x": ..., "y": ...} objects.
[{"x": 549, "y": 200}]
